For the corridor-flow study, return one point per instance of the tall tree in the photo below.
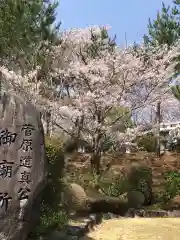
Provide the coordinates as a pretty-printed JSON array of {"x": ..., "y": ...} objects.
[
  {"x": 24, "y": 24},
  {"x": 165, "y": 29},
  {"x": 176, "y": 91},
  {"x": 96, "y": 86},
  {"x": 100, "y": 41}
]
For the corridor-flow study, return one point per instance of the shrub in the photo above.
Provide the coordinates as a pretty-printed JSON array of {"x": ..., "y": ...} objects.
[
  {"x": 107, "y": 144},
  {"x": 52, "y": 213},
  {"x": 85, "y": 179},
  {"x": 147, "y": 142},
  {"x": 174, "y": 145},
  {"x": 140, "y": 179},
  {"x": 172, "y": 185},
  {"x": 50, "y": 220},
  {"x": 55, "y": 159},
  {"x": 114, "y": 186},
  {"x": 108, "y": 183}
]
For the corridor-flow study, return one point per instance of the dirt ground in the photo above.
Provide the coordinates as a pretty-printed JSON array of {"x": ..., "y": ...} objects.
[{"x": 137, "y": 229}]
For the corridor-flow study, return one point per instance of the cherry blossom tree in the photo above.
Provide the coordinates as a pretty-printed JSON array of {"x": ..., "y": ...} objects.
[{"x": 83, "y": 90}]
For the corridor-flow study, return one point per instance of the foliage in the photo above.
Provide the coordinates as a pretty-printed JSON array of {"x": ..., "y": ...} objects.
[
  {"x": 50, "y": 220},
  {"x": 173, "y": 143},
  {"x": 116, "y": 187},
  {"x": 166, "y": 28},
  {"x": 108, "y": 144},
  {"x": 147, "y": 142},
  {"x": 124, "y": 114},
  {"x": 23, "y": 25},
  {"x": 100, "y": 42},
  {"x": 55, "y": 160},
  {"x": 52, "y": 213},
  {"x": 175, "y": 88},
  {"x": 107, "y": 183},
  {"x": 171, "y": 188},
  {"x": 140, "y": 179},
  {"x": 172, "y": 185},
  {"x": 138, "y": 173},
  {"x": 176, "y": 91},
  {"x": 92, "y": 87}
]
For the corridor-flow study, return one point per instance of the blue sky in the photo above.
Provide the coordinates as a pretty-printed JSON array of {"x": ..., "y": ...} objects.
[{"x": 123, "y": 16}]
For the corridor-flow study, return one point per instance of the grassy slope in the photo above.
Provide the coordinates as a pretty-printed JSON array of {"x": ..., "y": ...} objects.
[{"x": 168, "y": 162}]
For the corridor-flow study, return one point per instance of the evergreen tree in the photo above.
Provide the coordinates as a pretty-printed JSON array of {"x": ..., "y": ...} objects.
[
  {"x": 176, "y": 91},
  {"x": 165, "y": 29},
  {"x": 24, "y": 24},
  {"x": 100, "y": 41}
]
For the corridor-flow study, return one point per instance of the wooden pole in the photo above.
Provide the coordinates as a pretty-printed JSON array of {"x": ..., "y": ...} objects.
[
  {"x": 125, "y": 35},
  {"x": 158, "y": 121},
  {"x": 0, "y": 85}
]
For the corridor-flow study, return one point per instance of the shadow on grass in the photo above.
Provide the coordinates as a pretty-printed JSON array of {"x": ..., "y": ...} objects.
[{"x": 87, "y": 238}]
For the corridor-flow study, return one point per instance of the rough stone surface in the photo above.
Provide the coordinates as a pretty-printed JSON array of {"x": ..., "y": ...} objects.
[
  {"x": 74, "y": 197},
  {"x": 22, "y": 167},
  {"x": 174, "y": 213}
]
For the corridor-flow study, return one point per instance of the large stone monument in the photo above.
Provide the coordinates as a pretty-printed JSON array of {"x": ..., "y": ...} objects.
[{"x": 22, "y": 167}]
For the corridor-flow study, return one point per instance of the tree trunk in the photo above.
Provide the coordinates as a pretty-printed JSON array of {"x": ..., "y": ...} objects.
[
  {"x": 96, "y": 152},
  {"x": 48, "y": 122},
  {"x": 95, "y": 163}
]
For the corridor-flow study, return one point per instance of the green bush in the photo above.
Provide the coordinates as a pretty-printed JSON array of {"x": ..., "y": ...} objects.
[
  {"x": 140, "y": 179},
  {"x": 108, "y": 183},
  {"x": 147, "y": 142},
  {"x": 172, "y": 185},
  {"x": 117, "y": 186},
  {"x": 50, "y": 220},
  {"x": 55, "y": 159},
  {"x": 107, "y": 144},
  {"x": 52, "y": 213},
  {"x": 85, "y": 179}
]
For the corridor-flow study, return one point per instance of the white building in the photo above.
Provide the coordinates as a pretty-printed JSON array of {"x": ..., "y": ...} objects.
[{"x": 168, "y": 126}]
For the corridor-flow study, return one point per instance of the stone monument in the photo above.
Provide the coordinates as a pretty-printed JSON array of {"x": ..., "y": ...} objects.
[{"x": 22, "y": 167}]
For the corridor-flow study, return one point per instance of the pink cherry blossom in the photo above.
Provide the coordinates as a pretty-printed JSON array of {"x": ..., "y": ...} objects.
[{"x": 91, "y": 87}]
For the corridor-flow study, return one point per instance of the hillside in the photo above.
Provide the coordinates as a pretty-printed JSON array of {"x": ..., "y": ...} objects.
[{"x": 114, "y": 165}]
